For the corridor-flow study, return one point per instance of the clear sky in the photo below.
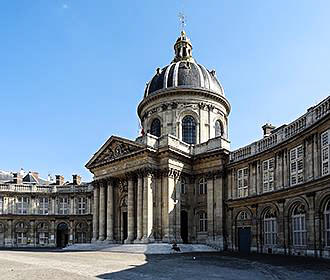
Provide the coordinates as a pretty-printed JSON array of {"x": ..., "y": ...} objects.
[{"x": 73, "y": 71}]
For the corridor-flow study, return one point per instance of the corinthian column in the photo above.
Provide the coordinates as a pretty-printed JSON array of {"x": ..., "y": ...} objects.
[
  {"x": 139, "y": 213},
  {"x": 147, "y": 209},
  {"x": 130, "y": 211},
  {"x": 102, "y": 213},
  {"x": 95, "y": 213},
  {"x": 110, "y": 205}
]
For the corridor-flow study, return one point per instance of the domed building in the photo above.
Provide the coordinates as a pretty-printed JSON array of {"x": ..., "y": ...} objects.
[
  {"x": 150, "y": 183},
  {"x": 179, "y": 181}
]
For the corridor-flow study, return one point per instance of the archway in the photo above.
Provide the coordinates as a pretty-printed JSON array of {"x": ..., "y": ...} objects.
[
  {"x": 184, "y": 226},
  {"x": 62, "y": 235}
]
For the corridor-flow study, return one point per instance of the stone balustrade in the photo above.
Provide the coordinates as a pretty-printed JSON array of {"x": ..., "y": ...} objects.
[
  {"x": 44, "y": 189},
  {"x": 284, "y": 132}
]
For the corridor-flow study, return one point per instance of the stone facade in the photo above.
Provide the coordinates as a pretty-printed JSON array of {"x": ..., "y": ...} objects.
[
  {"x": 33, "y": 215},
  {"x": 180, "y": 182}
]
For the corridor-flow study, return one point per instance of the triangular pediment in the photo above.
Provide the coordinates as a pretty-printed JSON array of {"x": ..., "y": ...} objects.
[{"x": 114, "y": 148}]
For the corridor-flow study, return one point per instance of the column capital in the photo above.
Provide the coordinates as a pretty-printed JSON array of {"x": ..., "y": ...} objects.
[{"x": 171, "y": 172}]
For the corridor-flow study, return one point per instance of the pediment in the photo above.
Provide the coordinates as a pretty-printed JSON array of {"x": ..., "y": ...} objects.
[{"x": 113, "y": 149}]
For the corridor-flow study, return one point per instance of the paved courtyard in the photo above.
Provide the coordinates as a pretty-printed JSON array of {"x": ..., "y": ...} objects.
[{"x": 42, "y": 264}]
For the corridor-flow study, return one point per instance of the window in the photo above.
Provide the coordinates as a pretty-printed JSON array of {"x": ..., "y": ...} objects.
[
  {"x": 43, "y": 205},
  {"x": 327, "y": 224},
  {"x": 63, "y": 205},
  {"x": 296, "y": 165},
  {"x": 242, "y": 182},
  {"x": 242, "y": 216},
  {"x": 202, "y": 186},
  {"x": 155, "y": 127},
  {"x": 325, "y": 147},
  {"x": 43, "y": 238},
  {"x": 268, "y": 175},
  {"x": 189, "y": 130},
  {"x": 1, "y": 205},
  {"x": 298, "y": 226},
  {"x": 270, "y": 228},
  {"x": 202, "y": 221},
  {"x": 218, "y": 129},
  {"x": 22, "y": 205},
  {"x": 82, "y": 202},
  {"x": 183, "y": 186},
  {"x": 21, "y": 238}
]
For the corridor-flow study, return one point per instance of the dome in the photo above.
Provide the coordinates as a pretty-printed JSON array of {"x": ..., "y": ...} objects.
[{"x": 183, "y": 72}]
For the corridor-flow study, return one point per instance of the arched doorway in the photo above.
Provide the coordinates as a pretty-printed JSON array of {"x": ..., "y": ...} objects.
[
  {"x": 184, "y": 226},
  {"x": 62, "y": 235}
]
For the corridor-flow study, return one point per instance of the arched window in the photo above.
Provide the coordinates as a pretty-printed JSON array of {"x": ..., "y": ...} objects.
[
  {"x": 202, "y": 221},
  {"x": 327, "y": 224},
  {"x": 218, "y": 129},
  {"x": 243, "y": 216},
  {"x": 189, "y": 130},
  {"x": 155, "y": 127},
  {"x": 270, "y": 228},
  {"x": 298, "y": 225},
  {"x": 202, "y": 186},
  {"x": 183, "y": 185}
]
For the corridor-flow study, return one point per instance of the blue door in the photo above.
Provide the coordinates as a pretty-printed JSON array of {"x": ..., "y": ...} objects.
[{"x": 244, "y": 240}]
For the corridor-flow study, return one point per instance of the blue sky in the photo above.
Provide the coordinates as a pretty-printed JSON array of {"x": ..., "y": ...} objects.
[{"x": 73, "y": 71}]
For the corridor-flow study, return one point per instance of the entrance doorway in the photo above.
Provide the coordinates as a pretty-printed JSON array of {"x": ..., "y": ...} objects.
[
  {"x": 244, "y": 240},
  {"x": 62, "y": 235},
  {"x": 125, "y": 230},
  {"x": 184, "y": 226}
]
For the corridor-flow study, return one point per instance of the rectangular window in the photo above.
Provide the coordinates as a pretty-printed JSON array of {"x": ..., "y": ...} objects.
[
  {"x": 325, "y": 148},
  {"x": 43, "y": 238},
  {"x": 21, "y": 238},
  {"x": 63, "y": 207},
  {"x": 43, "y": 205},
  {"x": 203, "y": 222},
  {"x": 1, "y": 205},
  {"x": 296, "y": 165},
  {"x": 242, "y": 182},
  {"x": 22, "y": 205},
  {"x": 82, "y": 202},
  {"x": 270, "y": 231},
  {"x": 268, "y": 175},
  {"x": 299, "y": 230}
]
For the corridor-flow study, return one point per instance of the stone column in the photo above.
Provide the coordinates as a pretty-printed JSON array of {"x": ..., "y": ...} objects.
[
  {"x": 169, "y": 205},
  {"x": 130, "y": 211},
  {"x": 177, "y": 207},
  {"x": 102, "y": 213},
  {"x": 139, "y": 209},
  {"x": 147, "y": 209},
  {"x": 110, "y": 212},
  {"x": 95, "y": 213},
  {"x": 210, "y": 209},
  {"x": 218, "y": 223}
]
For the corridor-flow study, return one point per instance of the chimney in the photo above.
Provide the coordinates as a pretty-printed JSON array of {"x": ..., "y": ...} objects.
[
  {"x": 268, "y": 129},
  {"x": 76, "y": 179},
  {"x": 17, "y": 178},
  {"x": 59, "y": 180}
]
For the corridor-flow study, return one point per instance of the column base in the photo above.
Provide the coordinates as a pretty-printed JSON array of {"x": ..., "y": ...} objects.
[
  {"x": 100, "y": 239},
  {"x": 109, "y": 241},
  {"x": 146, "y": 240},
  {"x": 94, "y": 240},
  {"x": 138, "y": 241}
]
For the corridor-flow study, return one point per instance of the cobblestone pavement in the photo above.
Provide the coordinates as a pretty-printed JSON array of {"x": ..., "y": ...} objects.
[{"x": 52, "y": 265}]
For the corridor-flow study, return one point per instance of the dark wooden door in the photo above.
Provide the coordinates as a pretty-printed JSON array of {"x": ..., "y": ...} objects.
[
  {"x": 244, "y": 240},
  {"x": 184, "y": 226}
]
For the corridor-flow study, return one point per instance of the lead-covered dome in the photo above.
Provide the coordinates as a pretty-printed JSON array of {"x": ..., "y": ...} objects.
[{"x": 183, "y": 72}]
